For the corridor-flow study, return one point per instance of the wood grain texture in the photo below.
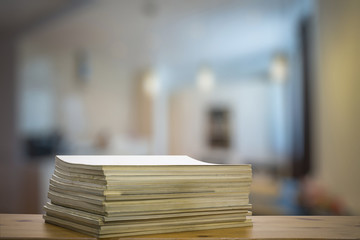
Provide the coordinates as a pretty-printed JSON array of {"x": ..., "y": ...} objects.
[
  {"x": 265, "y": 227},
  {"x": 30, "y": 226}
]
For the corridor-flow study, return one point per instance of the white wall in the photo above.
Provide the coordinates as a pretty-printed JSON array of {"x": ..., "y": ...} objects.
[
  {"x": 252, "y": 112},
  {"x": 36, "y": 91},
  {"x": 121, "y": 39},
  {"x": 337, "y": 112},
  {"x": 54, "y": 98}
]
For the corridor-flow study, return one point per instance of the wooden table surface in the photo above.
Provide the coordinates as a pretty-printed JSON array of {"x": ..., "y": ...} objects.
[{"x": 21, "y": 226}]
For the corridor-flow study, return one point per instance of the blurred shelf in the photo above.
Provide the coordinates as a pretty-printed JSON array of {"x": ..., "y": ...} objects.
[{"x": 22, "y": 226}]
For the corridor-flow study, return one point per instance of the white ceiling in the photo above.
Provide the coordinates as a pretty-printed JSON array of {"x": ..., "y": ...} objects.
[
  {"x": 144, "y": 32},
  {"x": 18, "y": 14}
]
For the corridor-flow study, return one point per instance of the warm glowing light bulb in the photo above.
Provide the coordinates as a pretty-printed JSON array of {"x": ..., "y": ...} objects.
[
  {"x": 151, "y": 84},
  {"x": 279, "y": 69},
  {"x": 205, "y": 80}
]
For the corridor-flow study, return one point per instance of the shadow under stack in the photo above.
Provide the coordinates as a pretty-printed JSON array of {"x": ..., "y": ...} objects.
[{"x": 115, "y": 196}]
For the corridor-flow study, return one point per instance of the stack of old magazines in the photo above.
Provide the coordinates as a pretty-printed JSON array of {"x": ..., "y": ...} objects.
[{"x": 114, "y": 196}]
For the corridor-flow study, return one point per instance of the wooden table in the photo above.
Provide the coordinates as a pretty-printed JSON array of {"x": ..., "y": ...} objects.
[{"x": 265, "y": 227}]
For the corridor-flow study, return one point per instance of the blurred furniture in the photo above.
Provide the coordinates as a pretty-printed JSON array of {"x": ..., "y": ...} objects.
[
  {"x": 265, "y": 227},
  {"x": 42, "y": 145},
  {"x": 276, "y": 196}
]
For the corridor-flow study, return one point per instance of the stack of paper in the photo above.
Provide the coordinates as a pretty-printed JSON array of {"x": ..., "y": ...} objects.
[{"x": 114, "y": 196}]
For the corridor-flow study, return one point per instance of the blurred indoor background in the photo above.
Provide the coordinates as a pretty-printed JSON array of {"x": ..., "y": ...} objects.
[{"x": 274, "y": 83}]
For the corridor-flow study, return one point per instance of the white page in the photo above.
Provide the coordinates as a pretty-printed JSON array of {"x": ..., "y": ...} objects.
[{"x": 131, "y": 160}]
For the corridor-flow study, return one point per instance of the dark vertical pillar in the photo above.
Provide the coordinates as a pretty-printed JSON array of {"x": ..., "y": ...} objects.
[
  {"x": 7, "y": 98},
  {"x": 302, "y": 140},
  {"x": 9, "y": 200},
  {"x": 305, "y": 29}
]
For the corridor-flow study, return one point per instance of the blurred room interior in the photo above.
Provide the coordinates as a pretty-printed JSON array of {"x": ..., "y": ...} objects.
[{"x": 273, "y": 83}]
